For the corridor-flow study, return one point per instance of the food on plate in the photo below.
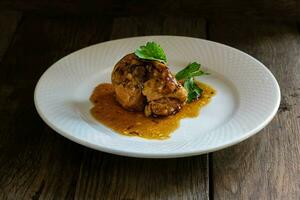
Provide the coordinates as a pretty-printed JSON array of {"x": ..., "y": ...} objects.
[
  {"x": 149, "y": 86},
  {"x": 145, "y": 98}
]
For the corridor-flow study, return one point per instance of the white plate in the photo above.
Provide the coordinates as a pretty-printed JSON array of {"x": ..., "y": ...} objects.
[{"x": 247, "y": 97}]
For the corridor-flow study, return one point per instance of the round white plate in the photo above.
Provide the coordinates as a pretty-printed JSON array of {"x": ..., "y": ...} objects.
[{"x": 247, "y": 97}]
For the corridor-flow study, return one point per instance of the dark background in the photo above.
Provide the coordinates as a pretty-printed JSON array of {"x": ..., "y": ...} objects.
[
  {"x": 288, "y": 10},
  {"x": 37, "y": 163}
]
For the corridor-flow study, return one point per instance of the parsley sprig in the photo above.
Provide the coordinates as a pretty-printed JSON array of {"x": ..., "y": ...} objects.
[
  {"x": 187, "y": 75},
  {"x": 151, "y": 51}
]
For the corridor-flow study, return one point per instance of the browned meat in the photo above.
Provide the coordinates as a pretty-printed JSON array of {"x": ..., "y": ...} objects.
[
  {"x": 147, "y": 85},
  {"x": 164, "y": 94},
  {"x": 127, "y": 78},
  {"x": 163, "y": 107}
]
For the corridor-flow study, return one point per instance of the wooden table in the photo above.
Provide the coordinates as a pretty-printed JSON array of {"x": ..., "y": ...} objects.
[{"x": 38, "y": 163}]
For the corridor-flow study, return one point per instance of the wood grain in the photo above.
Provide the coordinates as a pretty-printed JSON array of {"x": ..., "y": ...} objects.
[
  {"x": 266, "y": 166},
  {"x": 107, "y": 176},
  {"x": 288, "y": 10},
  {"x": 35, "y": 162},
  {"x": 185, "y": 26},
  {"x": 8, "y": 23}
]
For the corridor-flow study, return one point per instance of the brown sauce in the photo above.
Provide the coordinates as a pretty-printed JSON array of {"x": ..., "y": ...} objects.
[{"x": 107, "y": 111}]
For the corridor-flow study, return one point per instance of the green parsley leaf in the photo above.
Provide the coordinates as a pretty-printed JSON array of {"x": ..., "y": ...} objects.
[
  {"x": 151, "y": 51},
  {"x": 192, "y": 70},
  {"x": 194, "y": 92},
  {"x": 187, "y": 75}
]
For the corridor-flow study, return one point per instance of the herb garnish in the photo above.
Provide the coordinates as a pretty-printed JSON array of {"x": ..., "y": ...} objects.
[
  {"x": 187, "y": 75},
  {"x": 151, "y": 51}
]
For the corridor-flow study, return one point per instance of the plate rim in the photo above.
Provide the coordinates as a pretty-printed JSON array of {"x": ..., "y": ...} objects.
[{"x": 185, "y": 153}]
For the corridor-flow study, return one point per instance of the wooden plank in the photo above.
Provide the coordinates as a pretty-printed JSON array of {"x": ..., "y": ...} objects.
[
  {"x": 266, "y": 166},
  {"x": 266, "y": 9},
  {"x": 39, "y": 48},
  {"x": 130, "y": 27},
  {"x": 36, "y": 162},
  {"x": 8, "y": 23},
  {"x": 114, "y": 177}
]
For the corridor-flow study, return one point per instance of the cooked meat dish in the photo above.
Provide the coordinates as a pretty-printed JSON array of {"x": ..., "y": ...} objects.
[{"x": 149, "y": 86}]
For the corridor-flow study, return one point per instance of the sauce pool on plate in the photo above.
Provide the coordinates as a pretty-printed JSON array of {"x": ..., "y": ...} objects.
[{"x": 108, "y": 111}]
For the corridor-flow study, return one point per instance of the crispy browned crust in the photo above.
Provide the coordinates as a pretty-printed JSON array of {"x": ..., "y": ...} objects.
[{"x": 147, "y": 85}]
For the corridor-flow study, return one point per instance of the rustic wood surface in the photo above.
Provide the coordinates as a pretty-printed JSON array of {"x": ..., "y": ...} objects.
[
  {"x": 8, "y": 23},
  {"x": 37, "y": 163},
  {"x": 266, "y": 166}
]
